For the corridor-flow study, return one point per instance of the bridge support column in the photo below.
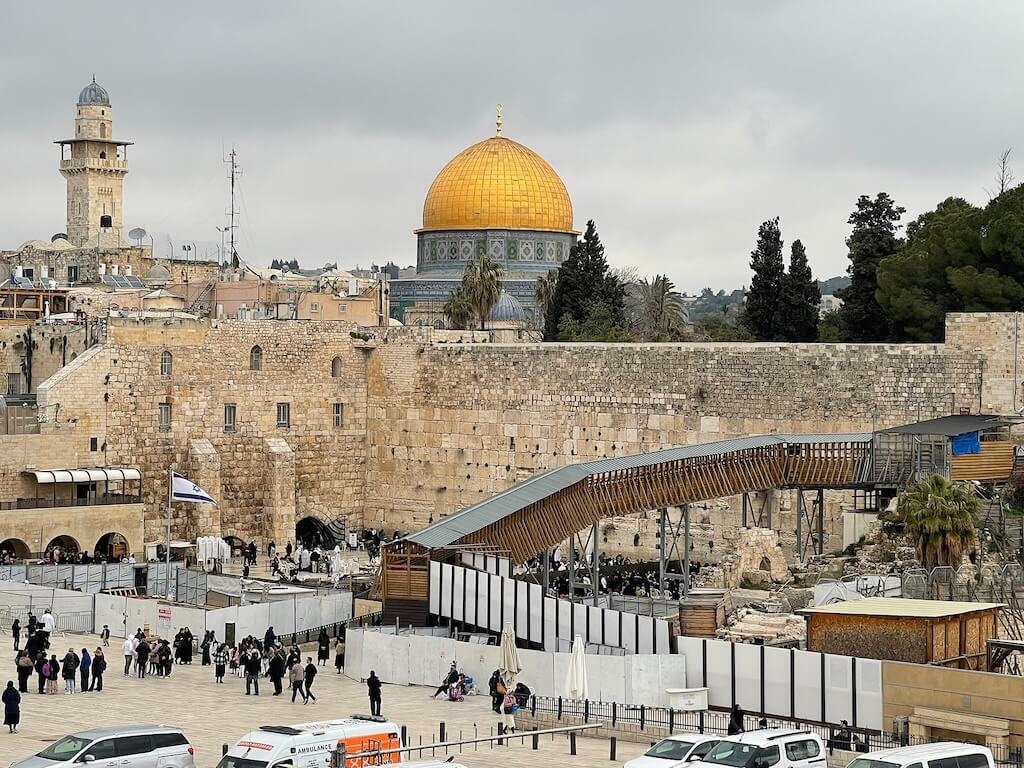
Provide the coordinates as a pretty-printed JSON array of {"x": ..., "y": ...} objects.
[
  {"x": 669, "y": 547},
  {"x": 813, "y": 542}
]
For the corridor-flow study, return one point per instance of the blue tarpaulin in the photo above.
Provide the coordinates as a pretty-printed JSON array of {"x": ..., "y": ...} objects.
[{"x": 966, "y": 443}]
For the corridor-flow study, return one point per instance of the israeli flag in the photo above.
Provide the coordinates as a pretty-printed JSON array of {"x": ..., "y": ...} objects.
[{"x": 183, "y": 489}]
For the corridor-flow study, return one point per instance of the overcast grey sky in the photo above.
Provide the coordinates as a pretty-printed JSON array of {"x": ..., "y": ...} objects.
[{"x": 677, "y": 126}]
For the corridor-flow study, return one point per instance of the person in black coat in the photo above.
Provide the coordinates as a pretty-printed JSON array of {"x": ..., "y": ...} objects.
[
  {"x": 373, "y": 689},
  {"x": 735, "y": 720},
  {"x": 12, "y": 706},
  {"x": 323, "y": 647},
  {"x": 308, "y": 674},
  {"x": 276, "y": 670},
  {"x": 16, "y": 633}
]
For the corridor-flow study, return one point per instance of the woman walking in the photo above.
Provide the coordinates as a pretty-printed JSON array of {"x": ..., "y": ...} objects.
[
  {"x": 220, "y": 661},
  {"x": 339, "y": 655},
  {"x": 323, "y": 652},
  {"x": 308, "y": 674},
  {"x": 12, "y": 707},
  {"x": 16, "y": 633}
]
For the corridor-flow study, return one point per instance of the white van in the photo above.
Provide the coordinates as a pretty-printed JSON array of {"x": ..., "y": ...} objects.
[
  {"x": 133, "y": 746},
  {"x": 942, "y": 754},
  {"x": 309, "y": 745},
  {"x": 767, "y": 748}
]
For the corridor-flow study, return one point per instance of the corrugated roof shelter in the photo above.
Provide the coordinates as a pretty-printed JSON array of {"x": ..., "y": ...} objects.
[
  {"x": 920, "y": 631},
  {"x": 951, "y": 426}
]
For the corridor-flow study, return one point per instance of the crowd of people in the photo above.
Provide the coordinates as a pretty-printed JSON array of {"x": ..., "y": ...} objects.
[
  {"x": 57, "y": 555},
  {"x": 618, "y": 576}
]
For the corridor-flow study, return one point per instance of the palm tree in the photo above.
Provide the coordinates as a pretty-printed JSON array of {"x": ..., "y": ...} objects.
[
  {"x": 939, "y": 517},
  {"x": 656, "y": 308},
  {"x": 458, "y": 309},
  {"x": 482, "y": 284},
  {"x": 544, "y": 291}
]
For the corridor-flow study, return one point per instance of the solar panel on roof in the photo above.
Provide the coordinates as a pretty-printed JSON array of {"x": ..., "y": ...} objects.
[
  {"x": 133, "y": 282},
  {"x": 107, "y": 279}
]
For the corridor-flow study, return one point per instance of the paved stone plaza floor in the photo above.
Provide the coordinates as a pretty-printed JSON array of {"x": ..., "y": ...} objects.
[{"x": 212, "y": 714}]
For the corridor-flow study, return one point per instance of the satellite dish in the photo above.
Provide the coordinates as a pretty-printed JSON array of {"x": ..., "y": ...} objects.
[
  {"x": 137, "y": 234},
  {"x": 58, "y": 236}
]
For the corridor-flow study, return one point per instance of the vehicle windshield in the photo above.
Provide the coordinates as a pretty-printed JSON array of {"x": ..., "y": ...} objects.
[
  {"x": 731, "y": 753},
  {"x": 65, "y": 748},
  {"x": 669, "y": 749},
  {"x": 866, "y": 762},
  {"x": 229, "y": 761}
]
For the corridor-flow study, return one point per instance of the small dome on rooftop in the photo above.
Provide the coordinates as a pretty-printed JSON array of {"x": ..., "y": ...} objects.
[
  {"x": 157, "y": 275},
  {"x": 507, "y": 309},
  {"x": 94, "y": 93}
]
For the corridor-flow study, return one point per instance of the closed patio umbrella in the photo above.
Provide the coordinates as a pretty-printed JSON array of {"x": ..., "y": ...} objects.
[{"x": 576, "y": 677}]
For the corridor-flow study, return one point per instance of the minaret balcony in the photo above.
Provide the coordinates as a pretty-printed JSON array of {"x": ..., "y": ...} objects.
[{"x": 93, "y": 164}]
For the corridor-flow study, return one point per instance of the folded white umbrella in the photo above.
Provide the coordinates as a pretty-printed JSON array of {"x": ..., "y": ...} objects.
[
  {"x": 576, "y": 677},
  {"x": 509, "y": 666}
]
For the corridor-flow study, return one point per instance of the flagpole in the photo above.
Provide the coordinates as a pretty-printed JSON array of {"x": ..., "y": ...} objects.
[{"x": 167, "y": 554}]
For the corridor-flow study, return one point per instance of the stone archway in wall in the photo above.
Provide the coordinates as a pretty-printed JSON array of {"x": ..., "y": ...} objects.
[
  {"x": 15, "y": 549},
  {"x": 113, "y": 546},
  {"x": 236, "y": 544},
  {"x": 66, "y": 543},
  {"x": 311, "y": 531}
]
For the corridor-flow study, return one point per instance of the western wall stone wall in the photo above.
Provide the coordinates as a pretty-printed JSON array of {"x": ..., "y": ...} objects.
[{"x": 432, "y": 424}]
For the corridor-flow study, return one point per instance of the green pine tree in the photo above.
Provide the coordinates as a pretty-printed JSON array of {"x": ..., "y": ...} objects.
[
  {"x": 762, "y": 309},
  {"x": 875, "y": 223},
  {"x": 584, "y": 280},
  {"x": 800, "y": 298}
]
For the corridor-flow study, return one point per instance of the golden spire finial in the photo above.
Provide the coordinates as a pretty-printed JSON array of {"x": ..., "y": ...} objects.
[{"x": 497, "y": 122}]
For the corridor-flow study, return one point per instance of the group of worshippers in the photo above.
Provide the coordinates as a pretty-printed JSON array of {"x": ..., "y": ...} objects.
[
  {"x": 254, "y": 658},
  {"x": 156, "y": 656}
]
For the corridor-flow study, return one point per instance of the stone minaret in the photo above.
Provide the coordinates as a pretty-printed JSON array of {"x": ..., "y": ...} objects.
[{"x": 94, "y": 164}]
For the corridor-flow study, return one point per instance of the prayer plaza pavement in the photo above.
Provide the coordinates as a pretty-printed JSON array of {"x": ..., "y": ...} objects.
[{"x": 212, "y": 714}]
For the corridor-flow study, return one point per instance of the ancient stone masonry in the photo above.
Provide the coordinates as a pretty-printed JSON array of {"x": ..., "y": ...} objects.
[{"x": 428, "y": 427}]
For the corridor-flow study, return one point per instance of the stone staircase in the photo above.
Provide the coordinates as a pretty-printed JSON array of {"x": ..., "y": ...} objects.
[{"x": 1009, "y": 528}]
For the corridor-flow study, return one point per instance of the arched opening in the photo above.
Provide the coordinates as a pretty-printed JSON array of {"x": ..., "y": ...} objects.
[
  {"x": 766, "y": 565},
  {"x": 236, "y": 544},
  {"x": 106, "y": 222},
  {"x": 336, "y": 368},
  {"x": 112, "y": 546},
  {"x": 67, "y": 546},
  {"x": 311, "y": 532},
  {"x": 166, "y": 365},
  {"x": 14, "y": 549},
  {"x": 255, "y": 358},
  {"x": 103, "y": 130},
  {"x": 103, "y": 155}
]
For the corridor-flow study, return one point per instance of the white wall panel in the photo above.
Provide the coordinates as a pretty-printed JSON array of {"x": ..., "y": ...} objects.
[
  {"x": 536, "y": 612},
  {"x": 482, "y": 601},
  {"x": 869, "y": 693},
  {"x": 776, "y": 681},
  {"x": 748, "y": 676},
  {"x": 508, "y": 597},
  {"x": 458, "y": 593},
  {"x": 719, "y": 673},
  {"x": 645, "y": 635},
  {"x": 282, "y": 617},
  {"x": 495, "y": 603},
  {"x": 808, "y": 684},
  {"x": 838, "y": 689},
  {"x": 471, "y": 580},
  {"x": 550, "y": 624},
  {"x": 690, "y": 649},
  {"x": 447, "y": 571},
  {"x": 522, "y": 623},
  {"x": 435, "y": 587},
  {"x": 611, "y": 628}
]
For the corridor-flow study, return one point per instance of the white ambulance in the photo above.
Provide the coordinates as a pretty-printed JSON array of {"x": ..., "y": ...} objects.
[{"x": 309, "y": 745}]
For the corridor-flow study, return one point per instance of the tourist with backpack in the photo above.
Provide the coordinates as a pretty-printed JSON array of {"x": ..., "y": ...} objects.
[
  {"x": 84, "y": 667},
  {"x": 69, "y": 670},
  {"x": 52, "y": 671}
]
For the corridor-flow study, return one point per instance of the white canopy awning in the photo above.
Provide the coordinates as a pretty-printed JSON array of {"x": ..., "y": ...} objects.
[{"x": 87, "y": 475}]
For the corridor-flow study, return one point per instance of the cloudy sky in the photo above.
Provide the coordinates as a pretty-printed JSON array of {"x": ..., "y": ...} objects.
[{"x": 677, "y": 126}]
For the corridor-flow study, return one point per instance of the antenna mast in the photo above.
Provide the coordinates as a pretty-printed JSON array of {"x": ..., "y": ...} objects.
[{"x": 233, "y": 173}]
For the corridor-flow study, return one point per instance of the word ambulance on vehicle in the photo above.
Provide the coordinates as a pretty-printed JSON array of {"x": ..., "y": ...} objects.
[{"x": 310, "y": 745}]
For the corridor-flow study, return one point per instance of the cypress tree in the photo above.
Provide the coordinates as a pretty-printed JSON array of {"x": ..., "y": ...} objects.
[
  {"x": 800, "y": 298},
  {"x": 762, "y": 315}
]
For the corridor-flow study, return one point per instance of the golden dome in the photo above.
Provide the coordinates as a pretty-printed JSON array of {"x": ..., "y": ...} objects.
[{"x": 497, "y": 184}]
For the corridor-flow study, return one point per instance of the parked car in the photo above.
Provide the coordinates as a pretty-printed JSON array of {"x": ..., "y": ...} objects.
[
  {"x": 674, "y": 750},
  {"x": 125, "y": 746},
  {"x": 767, "y": 748},
  {"x": 943, "y": 754}
]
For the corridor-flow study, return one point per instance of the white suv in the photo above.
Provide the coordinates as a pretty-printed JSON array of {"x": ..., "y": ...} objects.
[
  {"x": 674, "y": 750},
  {"x": 768, "y": 748},
  {"x": 127, "y": 746}
]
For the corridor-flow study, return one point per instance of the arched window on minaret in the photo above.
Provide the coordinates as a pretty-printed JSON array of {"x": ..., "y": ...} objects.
[
  {"x": 103, "y": 155},
  {"x": 103, "y": 130},
  {"x": 106, "y": 222}
]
